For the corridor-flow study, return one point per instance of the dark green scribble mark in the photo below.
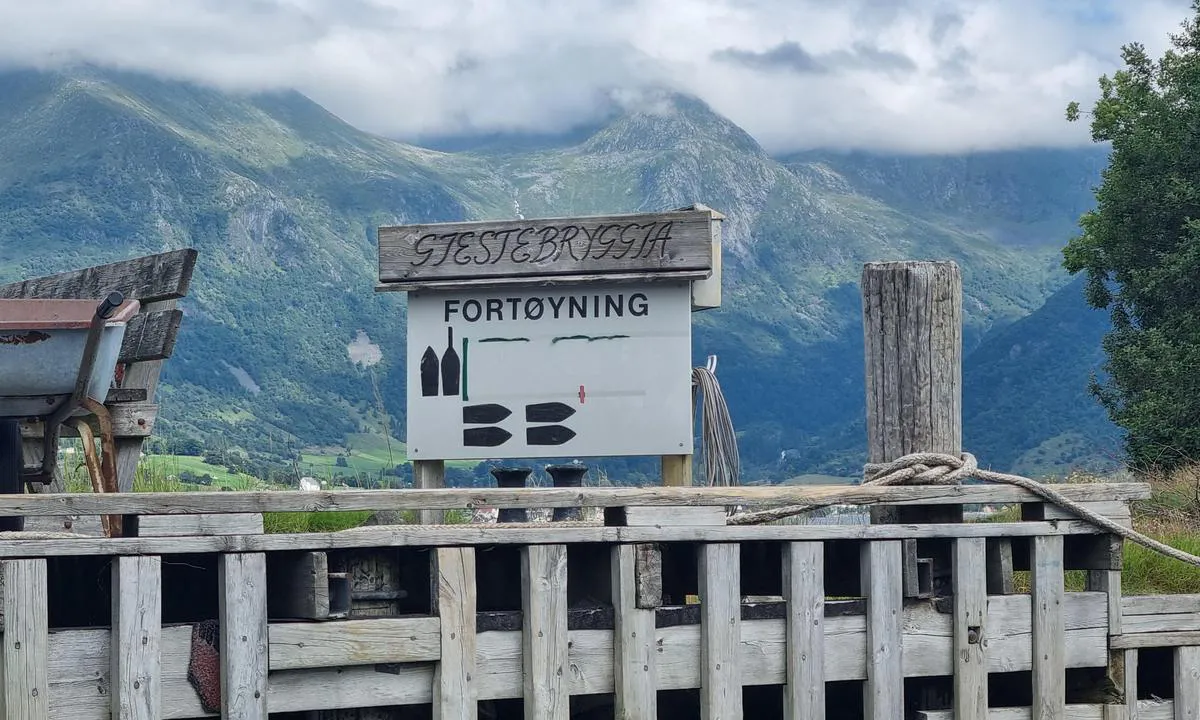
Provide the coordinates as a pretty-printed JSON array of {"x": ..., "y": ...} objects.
[
  {"x": 589, "y": 338},
  {"x": 500, "y": 339}
]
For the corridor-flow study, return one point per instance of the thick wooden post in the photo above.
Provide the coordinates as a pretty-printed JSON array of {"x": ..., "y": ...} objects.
[{"x": 430, "y": 474}]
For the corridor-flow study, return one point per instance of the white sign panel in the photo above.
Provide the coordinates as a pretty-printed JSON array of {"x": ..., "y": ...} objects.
[{"x": 569, "y": 371}]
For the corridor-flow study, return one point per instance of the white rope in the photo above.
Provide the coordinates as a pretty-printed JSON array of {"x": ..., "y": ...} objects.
[
  {"x": 940, "y": 469},
  {"x": 722, "y": 465}
]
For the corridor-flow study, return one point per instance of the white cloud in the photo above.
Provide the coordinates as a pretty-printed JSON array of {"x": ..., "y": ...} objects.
[{"x": 923, "y": 75}]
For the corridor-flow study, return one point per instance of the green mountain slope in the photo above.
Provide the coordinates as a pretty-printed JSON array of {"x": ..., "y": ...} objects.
[{"x": 282, "y": 199}]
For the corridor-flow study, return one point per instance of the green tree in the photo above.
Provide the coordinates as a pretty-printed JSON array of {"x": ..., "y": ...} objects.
[{"x": 1140, "y": 248}]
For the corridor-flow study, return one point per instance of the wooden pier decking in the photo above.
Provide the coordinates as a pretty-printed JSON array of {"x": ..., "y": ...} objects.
[{"x": 570, "y": 619}]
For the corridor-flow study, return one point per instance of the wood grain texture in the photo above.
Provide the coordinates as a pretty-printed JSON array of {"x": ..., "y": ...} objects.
[
  {"x": 168, "y": 503},
  {"x": 676, "y": 470},
  {"x": 150, "y": 336},
  {"x": 663, "y": 516},
  {"x": 430, "y": 475},
  {"x": 1148, "y": 710},
  {"x": 648, "y": 575},
  {"x": 1049, "y": 656},
  {"x": 24, "y": 661},
  {"x": 541, "y": 281},
  {"x": 544, "y": 635},
  {"x": 1133, "y": 707},
  {"x": 443, "y": 536},
  {"x": 130, "y": 420},
  {"x": 634, "y": 656},
  {"x": 1109, "y": 583},
  {"x": 646, "y": 243},
  {"x": 153, "y": 277},
  {"x": 970, "y": 629},
  {"x": 883, "y": 696},
  {"x": 455, "y": 688},
  {"x": 142, "y": 375},
  {"x": 199, "y": 525},
  {"x": 354, "y": 642},
  {"x": 244, "y": 636},
  {"x": 720, "y": 632},
  {"x": 804, "y": 591},
  {"x": 1187, "y": 683},
  {"x": 912, "y": 329},
  {"x": 135, "y": 681}
]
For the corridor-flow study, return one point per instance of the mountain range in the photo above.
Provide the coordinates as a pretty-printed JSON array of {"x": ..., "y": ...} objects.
[{"x": 286, "y": 345}]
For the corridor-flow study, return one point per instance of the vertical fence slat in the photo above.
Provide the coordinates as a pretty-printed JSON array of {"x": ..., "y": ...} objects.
[
  {"x": 544, "y": 635},
  {"x": 634, "y": 673},
  {"x": 136, "y": 674},
  {"x": 1131, "y": 684},
  {"x": 804, "y": 591},
  {"x": 243, "y": 602},
  {"x": 1109, "y": 582},
  {"x": 1049, "y": 632},
  {"x": 1187, "y": 683},
  {"x": 720, "y": 631},
  {"x": 970, "y": 619},
  {"x": 881, "y": 580},
  {"x": 26, "y": 687},
  {"x": 455, "y": 690}
]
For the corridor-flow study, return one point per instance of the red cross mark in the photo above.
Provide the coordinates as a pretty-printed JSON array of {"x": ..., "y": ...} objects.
[{"x": 582, "y": 394}]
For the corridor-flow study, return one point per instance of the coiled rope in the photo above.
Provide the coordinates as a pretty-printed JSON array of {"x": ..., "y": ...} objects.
[
  {"x": 722, "y": 465},
  {"x": 941, "y": 469}
]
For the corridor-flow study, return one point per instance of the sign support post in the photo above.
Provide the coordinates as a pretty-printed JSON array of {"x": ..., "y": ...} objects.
[{"x": 552, "y": 338}]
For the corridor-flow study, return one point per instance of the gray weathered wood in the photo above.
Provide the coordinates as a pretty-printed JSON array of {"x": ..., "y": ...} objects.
[
  {"x": 150, "y": 336},
  {"x": 657, "y": 243},
  {"x": 1049, "y": 658},
  {"x": 970, "y": 624},
  {"x": 1109, "y": 583},
  {"x": 170, "y": 503},
  {"x": 430, "y": 475},
  {"x": 24, "y": 661},
  {"x": 130, "y": 420},
  {"x": 662, "y": 516},
  {"x": 634, "y": 661},
  {"x": 1148, "y": 709},
  {"x": 32, "y": 545},
  {"x": 881, "y": 569},
  {"x": 804, "y": 591},
  {"x": 912, "y": 314},
  {"x": 540, "y": 281},
  {"x": 199, "y": 525},
  {"x": 544, "y": 635},
  {"x": 298, "y": 585},
  {"x": 647, "y": 576},
  {"x": 455, "y": 688},
  {"x": 1113, "y": 509},
  {"x": 1133, "y": 641},
  {"x": 244, "y": 638},
  {"x": 354, "y": 642},
  {"x": 135, "y": 680},
  {"x": 1000, "y": 567},
  {"x": 139, "y": 375},
  {"x": 1187, "y": 683},
  {"x": 720, "y": 631},
  {"x": 153, "y": 277}
]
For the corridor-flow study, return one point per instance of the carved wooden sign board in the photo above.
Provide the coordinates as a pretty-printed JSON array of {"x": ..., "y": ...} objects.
[{"x": 549, "y": 338}]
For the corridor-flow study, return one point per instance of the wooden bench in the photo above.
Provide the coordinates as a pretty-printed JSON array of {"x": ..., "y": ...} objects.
[{"x": 158, "y": 282}]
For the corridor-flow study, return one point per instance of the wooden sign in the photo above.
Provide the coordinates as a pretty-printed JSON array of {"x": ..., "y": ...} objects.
[
  {"x": 675, "y": 244},
  {"x": 574, "y": 371}
]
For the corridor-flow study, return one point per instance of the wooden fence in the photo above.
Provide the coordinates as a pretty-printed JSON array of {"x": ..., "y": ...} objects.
[{"x": 662, "y": 610}]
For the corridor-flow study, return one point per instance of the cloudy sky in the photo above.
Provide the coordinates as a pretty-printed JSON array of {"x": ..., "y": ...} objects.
[{"x": 909, "y": 75}]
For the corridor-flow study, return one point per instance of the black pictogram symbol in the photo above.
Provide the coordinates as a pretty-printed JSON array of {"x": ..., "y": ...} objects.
[
  {"x": 489, "y": 436},
  {"x": 481, "y": 414},
  {"x": 548, "y": 435},
  {"x": 429, "y": 373},
  {"x": 550, "y": 412},
  {"x": 451, "y": 365}
]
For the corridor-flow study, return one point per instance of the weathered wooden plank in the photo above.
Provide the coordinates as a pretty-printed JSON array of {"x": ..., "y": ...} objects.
[
  {"x": 139, "y": 375},
  {"x": 168, "y": 503},
  {"x": 130, "y": 420},
  {"x": 135, "y": 679},
  {"x": 645, "y": 243},
  {"x": 648, "y": 577},
  {"x": 804, "y": 591},
  {"x": 1187, "y": 682},
  {"x": 676, "y": 470},
  {"x": 1049, "y": 658},
  {"x": 199, "y": 525},
  {"x": 541, "y": 281},
  {"x": 1148, "y": 710},
  {"x": 354, "y": 642},
  {"x": 1133, "y": 706},
  {"x": 24, "y": 661},
  {"x": 634, "y": 661},
  {"x": 720, "y": 631},
  {"x": 970, "y": 623},
  {"x": 455, "y": 688},
  {"x": 1114, "y": 509},
  {"x": 429, "y": 475},
  {"x": 348, "y": 688},
  {"x": 153, "y": 277},
  {"x": 663, "y": 516},
  {"x": 150, "y": 336},
  {"x": 881, "y": 569},
  {"x": 1109, "y": 583},
  {"x": 1133, "y": 641},
  {"x": 298, "y": 585},
  {"x": 1000, "y": 567},
  {"x": 1160, "y": 613},
  {"x": 434, "y": 536},
  {"x": 244, "y": 636},
  {"x": 544, "y": 636}
]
